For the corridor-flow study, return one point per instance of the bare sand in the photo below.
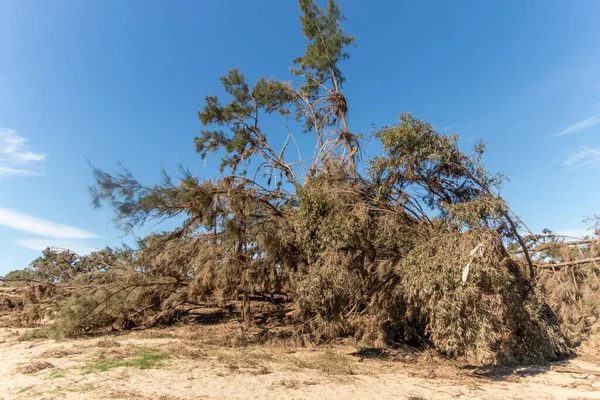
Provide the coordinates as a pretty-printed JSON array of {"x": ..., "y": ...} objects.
[{"x": 186, "y": 363}]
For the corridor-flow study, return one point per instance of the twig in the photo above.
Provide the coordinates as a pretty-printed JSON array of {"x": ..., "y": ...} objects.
[{"x": 24, "y": 280}]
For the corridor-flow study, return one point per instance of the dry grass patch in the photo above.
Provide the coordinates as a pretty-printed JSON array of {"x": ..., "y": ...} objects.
[
  {"x": 32, "y": 368},
  {"x": 57, "y": 373},
  {"x": 250, "y": 356},
  {"x": 262, "y": 371},
  {"x": 59, "y": 353},
  {"x": 187, "y": 349},
  {"x": 108, "y": 343},
  {"x": 243, "y": 360},
  {"x": 295, "y": 384},
  {"x": 326, "y": 361},
  {"x": 116, "y": 353}
]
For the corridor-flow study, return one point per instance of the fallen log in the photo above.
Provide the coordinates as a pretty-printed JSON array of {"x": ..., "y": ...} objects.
[
  {"x": 570, "y": 370},
  {"x": 548, "y": 246},
  {"x": 567, "y": 263}
]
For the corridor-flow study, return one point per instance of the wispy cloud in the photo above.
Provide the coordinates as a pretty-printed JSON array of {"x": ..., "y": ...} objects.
[
  {"x": 584, "y": 157},
  {"x": 15, "y": 156},
  {"x": 580, "y": 125},
  {"x": 43, "y": 243},
  {"x": 41, "y": 227},
  {"x": 593, "y": 106},
  {"x": 516, "y": 127}
]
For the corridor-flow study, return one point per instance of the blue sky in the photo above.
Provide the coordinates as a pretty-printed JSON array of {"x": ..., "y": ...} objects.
[{"x": 111, "y": 80}]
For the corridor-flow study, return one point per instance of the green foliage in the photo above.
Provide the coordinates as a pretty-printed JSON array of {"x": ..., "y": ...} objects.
[
  {"x": 63, "y": 265},
  {"x": 144, "y": 359},
  {"x": 115, "y": 306},
  {"x": 325, "y": 48},
  {"x": 422, "y": 166},
  {"x": 245, "y": 139}
]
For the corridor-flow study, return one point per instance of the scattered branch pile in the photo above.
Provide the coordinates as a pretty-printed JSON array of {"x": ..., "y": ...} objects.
[{"x": 570, "y": 277}]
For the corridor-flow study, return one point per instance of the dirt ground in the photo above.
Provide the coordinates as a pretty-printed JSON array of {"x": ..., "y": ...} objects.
[{"x": 193, "y": 362}]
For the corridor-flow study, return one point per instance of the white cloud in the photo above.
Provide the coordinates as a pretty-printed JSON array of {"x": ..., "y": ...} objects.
[
  {"x": 42, "y": 244},
  {"x": 584, "y": 157},
  {"x": 40, "y": 227},
  {"x": 4, "y": 170},
  {"x": 580, "y": 125},
  {"x": 15, "y": 156}
]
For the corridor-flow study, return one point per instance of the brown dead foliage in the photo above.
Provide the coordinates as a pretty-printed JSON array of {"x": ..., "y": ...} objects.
[
  {"x": 33, "y": 367},
  {"x": 572, "y": 289}
]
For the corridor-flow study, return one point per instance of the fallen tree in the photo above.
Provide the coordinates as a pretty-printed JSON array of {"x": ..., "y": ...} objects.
[{"x": 409, "y": 246}]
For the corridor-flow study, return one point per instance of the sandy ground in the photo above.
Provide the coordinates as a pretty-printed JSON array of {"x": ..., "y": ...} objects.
[{"x": 184, "y": 363}]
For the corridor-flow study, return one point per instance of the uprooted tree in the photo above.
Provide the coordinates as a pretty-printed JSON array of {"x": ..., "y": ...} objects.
[{"x": 409, "y": 246}]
